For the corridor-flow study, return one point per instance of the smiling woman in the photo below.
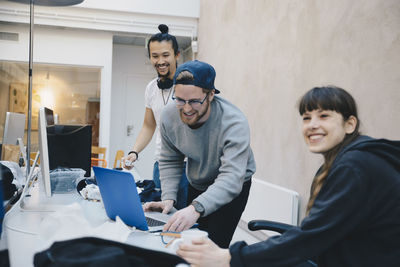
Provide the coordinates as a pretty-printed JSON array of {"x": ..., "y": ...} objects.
[
  {"x": 330, "y": 122},
  {"x": 324, "y": 129},
  {"x": 353, "y": 212}
]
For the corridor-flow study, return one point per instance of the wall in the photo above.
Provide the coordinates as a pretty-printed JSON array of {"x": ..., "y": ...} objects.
[
  {"x": 187, "y": 8},
  {"x": 131, "y": 73},
  {"x": 268, "y": 53},
  {"x": 137, "y": 17}
]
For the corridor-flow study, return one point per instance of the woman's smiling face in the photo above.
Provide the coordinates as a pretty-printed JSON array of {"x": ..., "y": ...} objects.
[{"x": 324, "y": 129}]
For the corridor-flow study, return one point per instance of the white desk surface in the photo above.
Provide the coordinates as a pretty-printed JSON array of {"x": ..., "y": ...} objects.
[{"x": 21, "y": 226}]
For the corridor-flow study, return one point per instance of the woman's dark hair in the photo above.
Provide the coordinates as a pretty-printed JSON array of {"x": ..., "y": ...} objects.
[
  {"x": 335, "y": 99},
  {"x": 163, "y": 35}
]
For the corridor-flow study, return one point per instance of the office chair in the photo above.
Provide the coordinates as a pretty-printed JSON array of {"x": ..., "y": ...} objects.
[
  {"x": 118, "y": 159},
  {"x": 278, "y": 227},
  {"x": 99, "y": 156}
]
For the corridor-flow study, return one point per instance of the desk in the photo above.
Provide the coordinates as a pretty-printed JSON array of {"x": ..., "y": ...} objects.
[{"x": 22, "y": 226}]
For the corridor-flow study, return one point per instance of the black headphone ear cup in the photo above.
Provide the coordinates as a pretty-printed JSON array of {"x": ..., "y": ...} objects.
[{"x": 164, "y": 84}]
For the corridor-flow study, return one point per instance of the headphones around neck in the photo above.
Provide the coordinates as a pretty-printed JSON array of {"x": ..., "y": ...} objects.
[{"x": 164, "y": 84}]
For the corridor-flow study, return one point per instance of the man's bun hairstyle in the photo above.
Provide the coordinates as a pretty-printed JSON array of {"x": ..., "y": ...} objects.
[
  {"x": 163, "y": 28},
  {"x": 163, "y": 35}
]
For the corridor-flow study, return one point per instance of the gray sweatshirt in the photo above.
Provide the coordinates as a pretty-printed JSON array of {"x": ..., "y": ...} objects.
[{"x": 219, "y": 157}]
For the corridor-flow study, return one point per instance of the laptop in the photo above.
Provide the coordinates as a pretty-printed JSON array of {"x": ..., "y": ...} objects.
[{"x": 120, "y": 198}]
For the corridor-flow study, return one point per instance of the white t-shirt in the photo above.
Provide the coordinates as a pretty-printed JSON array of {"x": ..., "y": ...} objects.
[{"x": 155, "y": 101}]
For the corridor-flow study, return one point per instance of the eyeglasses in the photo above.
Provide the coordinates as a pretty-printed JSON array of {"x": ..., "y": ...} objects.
[{"x": 194, "y": 103}]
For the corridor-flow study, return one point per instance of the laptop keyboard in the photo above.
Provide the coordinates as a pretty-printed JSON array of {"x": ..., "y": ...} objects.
[{"x": 153, "y": 222}]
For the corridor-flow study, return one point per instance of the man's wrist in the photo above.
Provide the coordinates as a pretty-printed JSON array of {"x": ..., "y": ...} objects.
[
  {"x": 198, "y": 207},
  {"x": 170, "y": 201},
  {"x": 134, "y": 152},
  {"x": 227, "y": 256}
]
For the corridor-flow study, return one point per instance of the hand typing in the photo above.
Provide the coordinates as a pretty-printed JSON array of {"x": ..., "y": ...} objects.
[
  {"x": 182, "y": 219},
  {"x": 164, "y": 206}
]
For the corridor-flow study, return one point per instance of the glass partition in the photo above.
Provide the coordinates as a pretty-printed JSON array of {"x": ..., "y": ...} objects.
[{"x": 73, "y": 92}]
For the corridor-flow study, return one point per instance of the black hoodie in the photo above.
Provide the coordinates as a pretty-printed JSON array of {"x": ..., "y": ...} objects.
[{"x": 355, "y": 219}]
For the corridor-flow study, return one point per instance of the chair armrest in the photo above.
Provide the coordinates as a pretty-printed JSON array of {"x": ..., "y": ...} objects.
[
  {"x": 278, "y": 227},
  {"x": 256, "y": 225}
]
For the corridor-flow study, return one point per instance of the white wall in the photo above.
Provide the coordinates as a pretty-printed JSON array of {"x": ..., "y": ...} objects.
[
  {"x": 185, "y": 8},
  {"x": 268, "y": 53},
  {"x": 122, "y": 16},
  {"x": 131, "y": 73},
  {"x": 58, "y": 46}
]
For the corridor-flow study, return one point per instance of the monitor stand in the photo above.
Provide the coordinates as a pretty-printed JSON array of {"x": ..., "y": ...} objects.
[{"x": 35, "y": 199}]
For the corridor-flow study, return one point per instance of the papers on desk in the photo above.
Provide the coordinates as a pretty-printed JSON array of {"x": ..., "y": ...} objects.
[{"x": 75, "y": 220}]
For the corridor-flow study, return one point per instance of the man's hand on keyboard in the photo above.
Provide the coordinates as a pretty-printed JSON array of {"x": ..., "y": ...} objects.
[
  {"x": 182, "y": 219},
  {"x": 164, "y": 206}
]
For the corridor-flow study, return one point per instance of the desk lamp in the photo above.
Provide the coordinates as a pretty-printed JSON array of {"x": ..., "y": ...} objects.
[{"x": 31, "y": 23}]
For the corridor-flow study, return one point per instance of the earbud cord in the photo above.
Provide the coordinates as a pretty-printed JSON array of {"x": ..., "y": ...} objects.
[{"x": 169, "y": 94}]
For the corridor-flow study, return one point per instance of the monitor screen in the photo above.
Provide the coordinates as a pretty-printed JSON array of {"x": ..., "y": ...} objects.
[
  {"x": 14, "y": 128},
  {"x": 69, "y": 146},
  {"x": 62, "y": 146}
]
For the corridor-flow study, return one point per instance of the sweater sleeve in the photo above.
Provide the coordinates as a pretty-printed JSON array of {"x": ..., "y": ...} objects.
[
  {"x": 232, "y": 171},
  {"x": 171, "y": 166},
  {"x": 337, "y": 211}
]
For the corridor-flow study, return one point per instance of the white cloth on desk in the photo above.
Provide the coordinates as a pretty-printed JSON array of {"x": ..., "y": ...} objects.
[
  {"x": 91, "y": 191},
  {"x": 75, "y": 221}
]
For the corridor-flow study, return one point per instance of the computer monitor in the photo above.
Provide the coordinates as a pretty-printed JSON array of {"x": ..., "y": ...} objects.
[
  {"x": 43, "y": 150},
  {"x": 14, "y": 128},
  {"x": 62, "y": 146},
  {"x": 70, "y": 146}
]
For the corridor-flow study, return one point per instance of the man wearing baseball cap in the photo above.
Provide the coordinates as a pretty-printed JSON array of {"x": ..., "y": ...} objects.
[{"x": 214, "y": 135}]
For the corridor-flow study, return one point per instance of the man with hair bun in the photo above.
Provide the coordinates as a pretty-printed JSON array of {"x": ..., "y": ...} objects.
[{"x": 163, "y": 53}]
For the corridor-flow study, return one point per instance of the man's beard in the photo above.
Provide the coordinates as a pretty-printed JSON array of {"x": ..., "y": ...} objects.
[
  {"x": 198, "y": 116},
  {"x": 163, "y": 76}
]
